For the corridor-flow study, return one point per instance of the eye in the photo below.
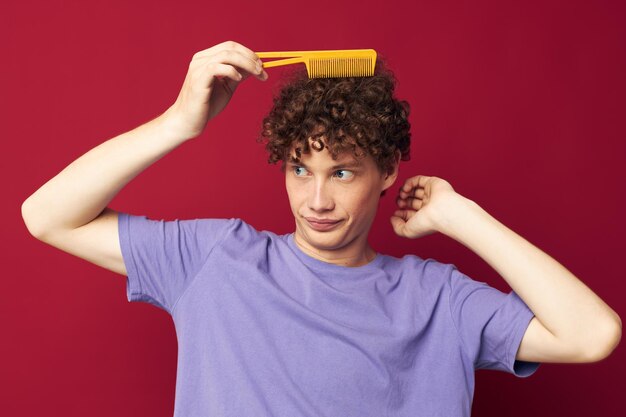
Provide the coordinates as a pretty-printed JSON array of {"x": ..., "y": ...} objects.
[
  {"x": 344, "y": 174},
  {"x": 299, "y": 171}
]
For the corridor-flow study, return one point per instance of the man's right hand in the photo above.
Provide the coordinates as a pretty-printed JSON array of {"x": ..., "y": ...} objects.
[{"x": 211, "y": 80}]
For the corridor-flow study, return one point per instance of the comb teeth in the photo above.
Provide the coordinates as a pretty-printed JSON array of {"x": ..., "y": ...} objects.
[{"x": 340, "y": 67}]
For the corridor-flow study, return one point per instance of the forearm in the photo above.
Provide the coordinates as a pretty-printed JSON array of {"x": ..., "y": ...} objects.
[
  {"x": 82, "y": 190},
  {"x": 561, "y": 302}
]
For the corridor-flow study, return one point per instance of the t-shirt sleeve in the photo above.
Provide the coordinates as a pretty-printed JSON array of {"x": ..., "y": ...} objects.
[
  {"x": 162, "y": 257},
  {"x": 491, "y": 324}
]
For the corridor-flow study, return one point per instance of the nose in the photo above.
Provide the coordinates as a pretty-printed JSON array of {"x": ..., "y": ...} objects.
[{"x": 320, "y": 197}]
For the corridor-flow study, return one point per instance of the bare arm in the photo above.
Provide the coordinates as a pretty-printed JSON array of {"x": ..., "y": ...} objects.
[
  {"x": 70, "y": 210},
  {"x": 572, "y": 323}
]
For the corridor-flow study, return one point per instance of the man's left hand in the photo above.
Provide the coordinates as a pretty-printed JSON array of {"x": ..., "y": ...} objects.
[{"x": 424, "y": 205}]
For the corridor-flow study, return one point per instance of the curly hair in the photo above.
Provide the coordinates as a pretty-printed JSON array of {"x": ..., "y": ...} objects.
[{"x": 357, "y": 114}]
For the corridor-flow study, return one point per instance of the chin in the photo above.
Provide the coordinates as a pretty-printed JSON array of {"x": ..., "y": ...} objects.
[{"x": 326, "y": 243}]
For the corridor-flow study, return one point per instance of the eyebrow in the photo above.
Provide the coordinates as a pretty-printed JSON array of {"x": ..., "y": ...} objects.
[{"x": 351, "y": 164}]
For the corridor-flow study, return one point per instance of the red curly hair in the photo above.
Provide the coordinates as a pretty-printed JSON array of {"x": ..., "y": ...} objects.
[{"x": 357, "y": 114}]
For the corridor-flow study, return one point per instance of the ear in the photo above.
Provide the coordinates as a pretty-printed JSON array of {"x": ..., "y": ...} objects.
[{"x": 392, "y": 174}]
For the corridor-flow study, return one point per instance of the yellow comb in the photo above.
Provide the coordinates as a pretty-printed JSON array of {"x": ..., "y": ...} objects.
[{"x": 326, "y": 64}]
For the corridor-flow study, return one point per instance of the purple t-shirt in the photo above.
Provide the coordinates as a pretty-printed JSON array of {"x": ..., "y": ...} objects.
[{"x": 265, "y": 330}]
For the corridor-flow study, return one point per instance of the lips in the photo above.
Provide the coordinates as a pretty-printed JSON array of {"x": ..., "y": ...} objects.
[{"x": 322, "y": 225}]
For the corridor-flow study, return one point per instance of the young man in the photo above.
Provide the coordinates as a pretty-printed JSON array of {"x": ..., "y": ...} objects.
[{"x": 317, "y": 323}]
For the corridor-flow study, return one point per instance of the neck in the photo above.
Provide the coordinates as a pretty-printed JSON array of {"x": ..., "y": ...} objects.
[{"x": 353, "y": 255}]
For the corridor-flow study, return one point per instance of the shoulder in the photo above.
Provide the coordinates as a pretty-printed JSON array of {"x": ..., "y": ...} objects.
[
  {"x": 239, "y": 234},
  {"x": 199, "y": 230},
  {"x": 424, "y": 266},
  {"x": 429, "y": 273}
]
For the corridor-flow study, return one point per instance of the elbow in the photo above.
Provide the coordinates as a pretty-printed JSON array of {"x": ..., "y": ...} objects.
[
  {"x": 27, "y": 216},
  {"x": 603, "y": 347}
]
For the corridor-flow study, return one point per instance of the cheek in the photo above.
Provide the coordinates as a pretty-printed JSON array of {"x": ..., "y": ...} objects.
[
  {"x": 294, "y": 194},
  {"x": 360, "y": 202}
]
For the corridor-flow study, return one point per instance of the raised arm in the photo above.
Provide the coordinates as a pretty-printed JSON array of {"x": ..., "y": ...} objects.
[
  {"x": 571, "y": 324},
  {"x": 70, "y": 210}
]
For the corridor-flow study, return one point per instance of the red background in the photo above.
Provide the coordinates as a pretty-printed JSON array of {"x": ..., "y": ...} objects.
[{"x": 519, "y": 105}]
